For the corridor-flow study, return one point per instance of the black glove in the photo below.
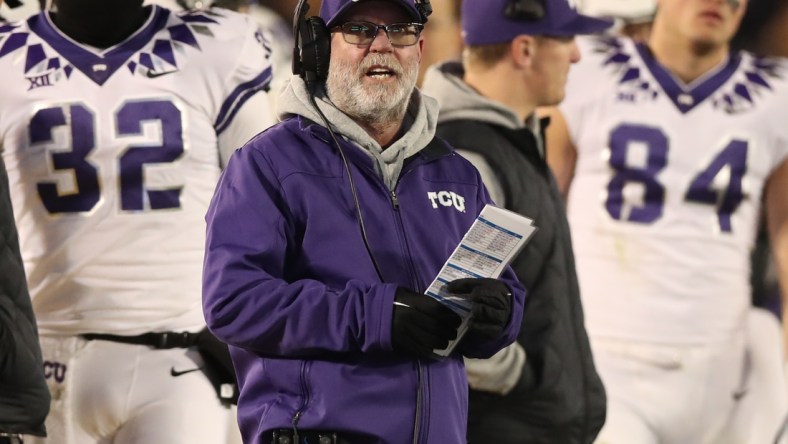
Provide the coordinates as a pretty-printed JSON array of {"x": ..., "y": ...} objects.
[
  {"x": 492, "y": 304},
  {"x": 421, "y": 324}
]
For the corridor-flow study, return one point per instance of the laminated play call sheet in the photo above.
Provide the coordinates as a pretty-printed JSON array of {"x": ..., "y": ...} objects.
[{"x": 492, "y": 242}]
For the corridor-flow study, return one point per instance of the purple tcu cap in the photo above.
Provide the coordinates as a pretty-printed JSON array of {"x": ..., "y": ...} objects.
[
  {"x": 331, "y": 10},
  {"x": 486, "y": 22}
]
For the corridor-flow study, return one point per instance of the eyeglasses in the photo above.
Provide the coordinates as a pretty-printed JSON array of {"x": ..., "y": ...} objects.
[{"x": 364, "y": 33}]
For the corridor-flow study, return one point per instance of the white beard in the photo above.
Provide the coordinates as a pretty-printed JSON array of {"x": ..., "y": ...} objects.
[{"x": 382, "y": 103}]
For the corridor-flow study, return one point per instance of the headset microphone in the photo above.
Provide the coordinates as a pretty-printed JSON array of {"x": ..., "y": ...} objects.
[{"x": 734, "y": 3}]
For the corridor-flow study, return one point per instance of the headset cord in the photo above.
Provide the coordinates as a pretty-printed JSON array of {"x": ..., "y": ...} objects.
[{"x": 352, "y": 185}]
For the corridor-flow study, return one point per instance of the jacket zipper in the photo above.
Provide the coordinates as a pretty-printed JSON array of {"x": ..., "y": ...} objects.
[
  {"x": 295, "y": 425},
  {"x": 304, "y": 389},
  {"x": 417, "y": 425},
  {"x": 395, "y": 204},
  {"x": 420, "y": 390}
]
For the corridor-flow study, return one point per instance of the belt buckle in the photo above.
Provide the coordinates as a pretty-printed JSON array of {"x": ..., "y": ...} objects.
[{"x": 162, "y": 342}]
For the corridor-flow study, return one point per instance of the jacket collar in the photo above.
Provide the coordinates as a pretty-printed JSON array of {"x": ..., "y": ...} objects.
[{"x": 435, "y": 149}]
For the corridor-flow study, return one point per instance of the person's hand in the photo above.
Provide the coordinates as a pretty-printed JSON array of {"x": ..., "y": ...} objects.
[
  {"x": 421, "y": 324},
  {"x": 492, "y": 304}
]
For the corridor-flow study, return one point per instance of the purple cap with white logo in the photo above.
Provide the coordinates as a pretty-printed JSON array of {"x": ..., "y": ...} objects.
[
  {"x": 487, "y": 22},
  {"x": 331, "y": 10}
]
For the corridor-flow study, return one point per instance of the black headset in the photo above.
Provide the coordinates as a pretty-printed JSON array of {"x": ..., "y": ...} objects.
[
  {"x": 312, "y": 49},
  {"x": 525, "y": 10}
]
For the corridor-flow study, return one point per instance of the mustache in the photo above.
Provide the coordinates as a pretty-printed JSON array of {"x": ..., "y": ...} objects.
[{"x": 386, "y": 60}]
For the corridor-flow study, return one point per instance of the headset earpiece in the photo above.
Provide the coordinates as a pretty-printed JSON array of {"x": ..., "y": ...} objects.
[
  {"x": 525, "y": 10},
  {"x": 315, "y": 50},
  {"x": 425, "y": 9},
  {"x": 312, "y": 51}
]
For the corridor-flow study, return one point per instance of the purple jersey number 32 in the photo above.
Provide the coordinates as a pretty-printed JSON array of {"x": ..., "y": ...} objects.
[{"x": 80, "y": 123}]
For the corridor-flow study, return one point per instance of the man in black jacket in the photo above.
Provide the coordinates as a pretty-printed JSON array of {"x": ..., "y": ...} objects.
[
  {"x": 24, "y": 398},
  {"x": 544, "y": 389}
]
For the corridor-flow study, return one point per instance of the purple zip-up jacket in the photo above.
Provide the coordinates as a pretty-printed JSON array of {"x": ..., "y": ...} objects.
[{"x": 290, "y": 286}]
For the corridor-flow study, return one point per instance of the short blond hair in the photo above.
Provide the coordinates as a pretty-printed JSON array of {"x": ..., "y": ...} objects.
[{"x": 485, "y": 56}]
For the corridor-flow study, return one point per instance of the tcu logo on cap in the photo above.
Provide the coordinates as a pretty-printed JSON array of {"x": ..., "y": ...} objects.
[{"x": 447, "y": 199}]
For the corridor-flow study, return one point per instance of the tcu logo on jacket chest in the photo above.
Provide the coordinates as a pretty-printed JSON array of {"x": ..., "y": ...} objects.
[{"x": 447, "y": 199}]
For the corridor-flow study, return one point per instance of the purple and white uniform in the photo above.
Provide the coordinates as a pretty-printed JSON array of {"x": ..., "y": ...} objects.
[
  {"x": 113, "y": 155},
  {"x": 664, "y": 208}
]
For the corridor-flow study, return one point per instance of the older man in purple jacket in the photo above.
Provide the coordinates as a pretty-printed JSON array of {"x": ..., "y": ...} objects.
[{"x": 322, "y": 238}]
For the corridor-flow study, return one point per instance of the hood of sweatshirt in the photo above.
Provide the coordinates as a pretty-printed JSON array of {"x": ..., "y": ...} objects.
[{"x": 458, "y": 101}]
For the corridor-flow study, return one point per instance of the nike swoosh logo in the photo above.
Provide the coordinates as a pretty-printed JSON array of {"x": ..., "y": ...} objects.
[
  {"x": 153, "y": 75},
  {"x": 176, "y": 373}
]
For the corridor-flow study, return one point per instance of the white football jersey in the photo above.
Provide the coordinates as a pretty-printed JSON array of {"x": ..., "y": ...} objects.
[
  {"x": 666, "y": 195},
  {"x": 112, "y": 158}
]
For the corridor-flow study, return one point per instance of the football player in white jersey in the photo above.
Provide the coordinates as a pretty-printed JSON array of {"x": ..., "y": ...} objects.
[
  {"x": 670, "y": 147},
  {"x": 115, "y": 119}
]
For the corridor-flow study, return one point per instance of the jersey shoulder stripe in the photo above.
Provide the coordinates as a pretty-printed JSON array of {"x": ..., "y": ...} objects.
[{"x": 239, "y": 96}]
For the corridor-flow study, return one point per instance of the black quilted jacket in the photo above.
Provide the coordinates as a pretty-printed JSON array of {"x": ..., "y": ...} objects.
[
  {"x": 24, "y": 398},
  {"x": 559, "y": 398}
]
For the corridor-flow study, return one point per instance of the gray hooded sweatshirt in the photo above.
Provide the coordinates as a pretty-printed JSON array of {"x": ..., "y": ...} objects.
[{"x": 458, "y": 101}]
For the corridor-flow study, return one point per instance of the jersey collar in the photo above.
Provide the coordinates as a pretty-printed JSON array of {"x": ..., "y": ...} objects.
[
  {"x": 98, "y": 65},
  {"x": 687, "y": 97}
]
